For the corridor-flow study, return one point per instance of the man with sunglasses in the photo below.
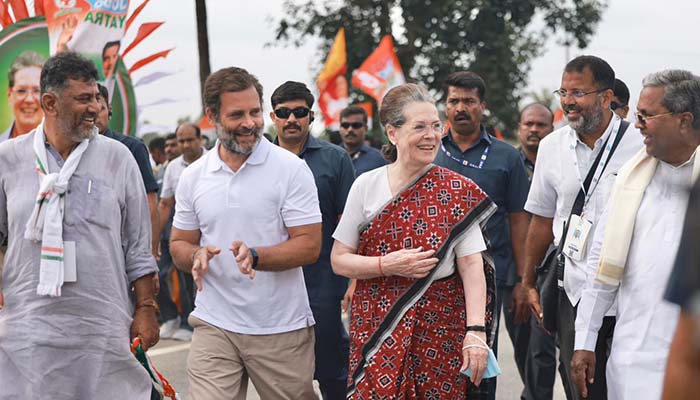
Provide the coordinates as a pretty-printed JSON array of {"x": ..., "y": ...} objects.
[
  {"x": 596, "y": 140},
  {"x": 636, "y": 242},
  {"x": 621, "y": 99},
  {"x": 334, "y": 174},
  {"x": 353, "y": 128}
]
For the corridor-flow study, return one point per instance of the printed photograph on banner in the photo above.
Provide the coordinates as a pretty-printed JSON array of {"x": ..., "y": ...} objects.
[
  {"x": 23, "y": 51},
  {"x": 93, "y": 28}
]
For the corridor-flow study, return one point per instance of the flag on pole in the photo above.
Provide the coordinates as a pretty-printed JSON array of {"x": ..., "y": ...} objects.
[
  {"x": 380, "y": 71},
  {"x": 332, "y": 84}
]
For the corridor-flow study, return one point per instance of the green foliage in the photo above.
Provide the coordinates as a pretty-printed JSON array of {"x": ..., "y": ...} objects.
[{"x": 494, "y": 38}]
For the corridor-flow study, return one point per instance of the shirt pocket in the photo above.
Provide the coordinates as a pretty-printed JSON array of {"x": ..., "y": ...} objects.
[{"x": 91, "y": 201}]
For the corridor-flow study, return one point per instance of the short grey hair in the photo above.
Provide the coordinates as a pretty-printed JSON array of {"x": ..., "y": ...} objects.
[
  {"x": 682, "y": 91},
  {"x": 393, "y": 105},
  {"x": 26, "y": 59}
]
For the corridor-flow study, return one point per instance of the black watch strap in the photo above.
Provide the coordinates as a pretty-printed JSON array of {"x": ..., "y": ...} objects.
[{"x": 255, "y": 257}]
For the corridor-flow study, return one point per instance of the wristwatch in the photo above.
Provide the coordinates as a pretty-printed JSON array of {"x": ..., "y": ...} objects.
[{"x": 255, "y": 257}]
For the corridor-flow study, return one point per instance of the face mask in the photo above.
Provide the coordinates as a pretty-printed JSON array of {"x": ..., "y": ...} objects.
[{"x": 492, "y": 369}]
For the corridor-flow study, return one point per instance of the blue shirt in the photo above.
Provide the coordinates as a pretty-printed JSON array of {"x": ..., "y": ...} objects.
[
  {"x": 504, "y": 179},
  {"x": 366, "y": 159},
  {"x": 334, "y": 174},
  {"x": 140, "y": 153}
]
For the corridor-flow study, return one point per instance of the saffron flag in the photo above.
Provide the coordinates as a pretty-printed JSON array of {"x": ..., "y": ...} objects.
[
  {"x": 332, "y": 84},
  {"x": 380, "y": 71}
]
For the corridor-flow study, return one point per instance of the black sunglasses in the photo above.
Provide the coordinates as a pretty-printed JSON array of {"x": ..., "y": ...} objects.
[
  {"x": 299, "y": 112},
  {"x": 355, "y": 125}
]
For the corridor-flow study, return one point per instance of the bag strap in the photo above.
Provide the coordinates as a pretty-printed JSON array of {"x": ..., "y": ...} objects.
[{"x": 580, "y": 198}]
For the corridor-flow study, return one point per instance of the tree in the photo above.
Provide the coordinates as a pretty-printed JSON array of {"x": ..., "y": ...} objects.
[
  {"x": 494, "y": 38},
  {"x": 202, "y": 44}
]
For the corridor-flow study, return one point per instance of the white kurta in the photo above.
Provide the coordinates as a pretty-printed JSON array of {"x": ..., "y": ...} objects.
[{"x": 645, "y": 322}]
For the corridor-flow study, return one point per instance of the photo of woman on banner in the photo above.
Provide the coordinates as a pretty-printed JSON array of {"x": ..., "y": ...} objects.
[{"x": 23, "y": 94}]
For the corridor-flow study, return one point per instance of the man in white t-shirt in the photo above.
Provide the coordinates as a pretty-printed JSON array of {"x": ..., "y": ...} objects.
[
  {"x": 174, "y": 319},
  {"x": 246, "y": 218}
]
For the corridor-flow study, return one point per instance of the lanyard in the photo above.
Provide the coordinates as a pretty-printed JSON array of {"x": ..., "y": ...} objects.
[
  {"x": 464, "y": 162},
  {"x": 607, "y": 147}
]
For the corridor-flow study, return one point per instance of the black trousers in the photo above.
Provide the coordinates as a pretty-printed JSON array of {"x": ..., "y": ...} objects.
[{"x": 566, "y": 337}]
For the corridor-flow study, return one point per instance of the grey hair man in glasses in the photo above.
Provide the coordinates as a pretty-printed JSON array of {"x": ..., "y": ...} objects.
[
  {"x": 636, "y": 242},
  {"x": 564, "y": 159}
]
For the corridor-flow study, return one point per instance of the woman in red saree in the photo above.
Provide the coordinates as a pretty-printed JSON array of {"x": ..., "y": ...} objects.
[{"x": 411, "y": 236}]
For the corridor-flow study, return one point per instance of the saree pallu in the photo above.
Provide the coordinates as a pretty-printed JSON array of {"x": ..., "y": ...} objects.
[{"x": 406, "y": 334}]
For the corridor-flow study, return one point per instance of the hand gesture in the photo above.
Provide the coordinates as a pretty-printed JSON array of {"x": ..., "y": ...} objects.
[
  {"x": 244, "y": 258},
  {"x": 475, "y": 355},
  {"x": 583, "y": 370},
  {"x": 68, "y": 27},
  {"x": 409, "y": 263},
  {"x": 200, "y": 263}
]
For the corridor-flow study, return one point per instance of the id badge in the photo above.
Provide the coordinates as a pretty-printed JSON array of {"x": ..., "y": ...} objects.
[
  {"x": 576, "y": 237},
  {"x": 70, "y": 271}
]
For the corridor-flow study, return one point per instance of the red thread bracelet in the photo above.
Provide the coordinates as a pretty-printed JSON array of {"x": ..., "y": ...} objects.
[{"x": 379, "y": 266}]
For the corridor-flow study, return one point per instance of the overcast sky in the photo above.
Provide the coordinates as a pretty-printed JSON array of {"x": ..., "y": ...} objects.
[{"x": 635, "y": 37}]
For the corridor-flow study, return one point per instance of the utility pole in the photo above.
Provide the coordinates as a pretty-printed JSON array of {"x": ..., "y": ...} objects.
[{"x": 203, "y": 44}]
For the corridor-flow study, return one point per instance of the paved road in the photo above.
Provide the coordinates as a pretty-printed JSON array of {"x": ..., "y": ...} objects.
[{"x": 170, "y": 357}]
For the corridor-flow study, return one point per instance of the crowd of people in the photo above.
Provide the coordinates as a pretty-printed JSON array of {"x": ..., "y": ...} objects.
[{"x": 579, "y": 239}]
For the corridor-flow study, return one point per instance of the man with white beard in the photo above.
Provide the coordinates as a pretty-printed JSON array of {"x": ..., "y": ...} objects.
[
  {"x": 576, "y": 164},
  {"x": 258, "y": 203}
]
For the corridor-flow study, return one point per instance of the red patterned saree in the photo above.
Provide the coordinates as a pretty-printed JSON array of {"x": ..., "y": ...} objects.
[{"x": 406, "y": 334}]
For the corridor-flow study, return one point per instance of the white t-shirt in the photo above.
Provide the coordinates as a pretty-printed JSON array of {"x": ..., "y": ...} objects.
[
  {"x": 172, "y": 175},
  {"x": 369, "y": 194},
  {"x": 273, "y": 190},
  {"x": 562, "y": 164}
]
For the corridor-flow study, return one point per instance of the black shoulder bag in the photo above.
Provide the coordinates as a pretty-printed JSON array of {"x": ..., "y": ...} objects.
[{"x": 552, "y": 269}]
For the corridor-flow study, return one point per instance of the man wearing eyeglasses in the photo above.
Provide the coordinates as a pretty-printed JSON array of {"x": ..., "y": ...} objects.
[
  {"x": 23, "y": 94},
  {"x": 353, "y": 128},
  {"x": 333, "y": 174},
  {"x": 621, "y": 99},
  {"x": 498, "y": 169},
  {"x": 635, "y": 245},
  {"x": 564, "y": 159}
]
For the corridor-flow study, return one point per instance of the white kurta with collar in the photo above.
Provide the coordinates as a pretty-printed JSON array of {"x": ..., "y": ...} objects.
[
  {"x": 556, "y": 183},
  {"x": 645, "y": 322}
]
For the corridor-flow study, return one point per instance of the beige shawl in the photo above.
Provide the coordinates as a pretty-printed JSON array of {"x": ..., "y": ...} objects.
[{"x": 627, "y": 193}]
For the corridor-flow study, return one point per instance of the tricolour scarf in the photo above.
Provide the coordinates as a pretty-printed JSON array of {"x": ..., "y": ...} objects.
[
  {"x": 627, "y": 193},
  {"x": 46, "y": 222}
]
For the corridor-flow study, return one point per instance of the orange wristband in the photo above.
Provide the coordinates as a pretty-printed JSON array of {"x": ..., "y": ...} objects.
[{"x": 379, "y": 266}]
